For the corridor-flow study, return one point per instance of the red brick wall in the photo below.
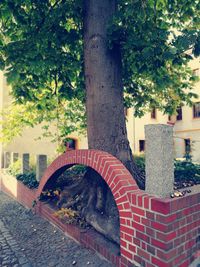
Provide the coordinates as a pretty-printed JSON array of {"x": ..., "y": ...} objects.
[
  {"x": 17, "y": 190},
  {"x": 153, "y": 231},
  {"x": 166, "y": 231}
]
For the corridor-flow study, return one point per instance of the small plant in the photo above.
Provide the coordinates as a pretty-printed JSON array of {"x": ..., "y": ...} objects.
[
  {"x": 140, "y": 162},
  {"x": 50, "y": 194},
  {"x": 66, "y": 213},
  {"x": 69, "y": 216}
]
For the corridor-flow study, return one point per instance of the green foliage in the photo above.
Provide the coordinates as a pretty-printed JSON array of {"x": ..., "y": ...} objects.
[
  {"x": 140, "y": 162},
  {"x": 28, "y": 179},
  {"x": 15, "y": 168},
  {"x": 41, "y": 47},
  {"x": 154, "y": 37},
  {"x": 63, "y": 119},
  {"x": 184, "y": 171}
]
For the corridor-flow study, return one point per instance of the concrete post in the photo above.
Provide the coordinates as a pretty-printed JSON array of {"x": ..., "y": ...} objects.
[
  {"x": 7, "y": 159},
  {"x": 159, "y": 159},
  {"x": 41, "y": 165},
  {"x": 25, "y": 163},
  {"x": 14, "y": 157}
]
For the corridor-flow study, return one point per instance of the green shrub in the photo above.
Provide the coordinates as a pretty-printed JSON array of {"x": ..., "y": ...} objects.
[
  {"x": 184, "y": 171},
  {"x": 140, "y": 162},
  {"x": 15, "y": 168},
  {"x": 28, "y": 179}
]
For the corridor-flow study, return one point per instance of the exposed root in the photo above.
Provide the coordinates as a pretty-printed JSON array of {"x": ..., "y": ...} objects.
[{"x": 94, "y": 200}]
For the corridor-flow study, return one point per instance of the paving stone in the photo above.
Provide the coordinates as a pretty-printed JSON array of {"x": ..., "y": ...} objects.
[
  {"x": 22, "y": 260},
  {"x": 26, "y": 265},
  {"x": 8, "y": 255},
  {"x": 42, "y": 248}
]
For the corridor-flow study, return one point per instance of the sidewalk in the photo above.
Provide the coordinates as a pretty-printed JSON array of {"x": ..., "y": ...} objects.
[
  {"x": 10, "y": 252},
  {"x": 26, "y": 240}
]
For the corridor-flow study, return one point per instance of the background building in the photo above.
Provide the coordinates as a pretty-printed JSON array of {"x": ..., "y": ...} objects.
[
  {"x": 186, "y": 125},
  {"x": 186, "y": 129},
  {"x": 29, "y": 141}
]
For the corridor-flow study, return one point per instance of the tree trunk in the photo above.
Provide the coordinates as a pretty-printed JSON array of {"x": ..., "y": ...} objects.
[
  {"x": 106, "y": 124},
  {"x": 105, "y": 117}
]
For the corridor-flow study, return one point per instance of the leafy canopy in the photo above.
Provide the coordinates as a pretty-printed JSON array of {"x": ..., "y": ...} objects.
[{"x": 41, "y": 48}]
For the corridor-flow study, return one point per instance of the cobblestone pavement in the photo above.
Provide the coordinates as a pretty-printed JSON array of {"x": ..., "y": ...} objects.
[
  {"x": 26, "y": 240},
  {"x": 10, "y": 253}
]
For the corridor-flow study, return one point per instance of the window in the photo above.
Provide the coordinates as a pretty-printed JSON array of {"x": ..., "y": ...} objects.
[
  {"x": 141, "y": 145},
  {"x": 196, "y": 110},
  {"x": 70, "y": 144},
  {"x": 153, "y": 113},
  {"x": 179, "y": 114},
  {"x": 196, "y": 72},
  {"x": 187, "y": 146}
]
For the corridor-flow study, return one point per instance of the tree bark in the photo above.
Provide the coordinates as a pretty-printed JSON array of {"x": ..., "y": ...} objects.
[
  {"x": 106, "y": 126},
  {"x": 106, "y": 123}
]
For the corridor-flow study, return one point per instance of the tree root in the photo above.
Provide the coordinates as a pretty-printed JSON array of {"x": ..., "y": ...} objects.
[{"x": 92, "y": 197}]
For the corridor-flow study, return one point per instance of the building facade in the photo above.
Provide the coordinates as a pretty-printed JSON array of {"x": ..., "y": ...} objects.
[{"x": 186, "y": 126}]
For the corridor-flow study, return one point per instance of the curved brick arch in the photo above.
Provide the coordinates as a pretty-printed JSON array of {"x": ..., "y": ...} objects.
[
  {"x": 118, "y": 178},
  {"x": 110, "y": 168}
]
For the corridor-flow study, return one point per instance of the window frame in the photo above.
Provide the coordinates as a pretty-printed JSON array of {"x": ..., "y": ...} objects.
[
  {"x": 153, "y": 114},
  {"x": 187, "y": 145},
  {"x": 179, "y": 116},
  {"x": 140, "y": 142},
  {"x": 193, "y": 110}
]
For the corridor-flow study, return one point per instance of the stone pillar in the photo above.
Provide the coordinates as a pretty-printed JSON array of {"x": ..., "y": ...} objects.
[
  {"x": 1, "y": 160},
  {"x": 7, "y": 159},
  {"x": 41, "y": 165},
  {"x": 25, "y": 163},
  {"x": 159, "y": 159}
]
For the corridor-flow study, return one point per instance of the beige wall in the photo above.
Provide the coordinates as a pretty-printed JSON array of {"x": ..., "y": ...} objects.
[
  {"x": 189, "y": 127},
  {"x": 141, "y": 122},
  {"x": 29, "y": 142},
  {"x": 194, "y": 136}
]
